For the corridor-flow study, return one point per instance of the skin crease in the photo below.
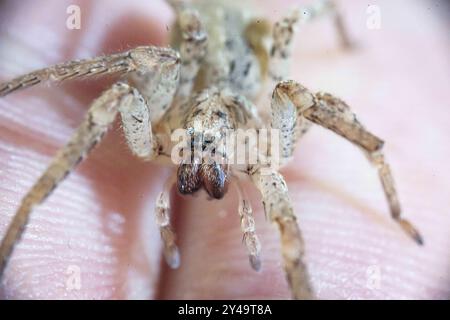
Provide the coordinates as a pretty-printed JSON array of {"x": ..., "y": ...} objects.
[{"x": 100, "y": 220}]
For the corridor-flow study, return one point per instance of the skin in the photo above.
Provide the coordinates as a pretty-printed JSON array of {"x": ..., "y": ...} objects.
[{"x": 101, "y": 219}]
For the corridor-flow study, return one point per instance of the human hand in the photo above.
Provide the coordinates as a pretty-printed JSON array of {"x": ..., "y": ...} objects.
[{"x": 99, "y": 222}]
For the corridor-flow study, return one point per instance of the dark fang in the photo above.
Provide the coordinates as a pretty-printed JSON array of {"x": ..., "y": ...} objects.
[
  {"x": 188, "y": 178},
  {"x": 215, "y": 179}
]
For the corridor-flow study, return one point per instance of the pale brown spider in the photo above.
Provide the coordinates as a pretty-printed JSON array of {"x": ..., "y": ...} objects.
[{"x": 210, "y": 83}]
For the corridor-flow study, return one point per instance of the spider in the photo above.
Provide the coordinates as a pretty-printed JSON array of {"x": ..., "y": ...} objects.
[{"x": 210, "y": 82}]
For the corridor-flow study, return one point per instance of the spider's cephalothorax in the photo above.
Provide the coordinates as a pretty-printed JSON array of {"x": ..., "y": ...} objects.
[
  {"x": 207, "y": 86},
  {"x": 227, "y": 64},
  {"x": 208, "y": 118}
]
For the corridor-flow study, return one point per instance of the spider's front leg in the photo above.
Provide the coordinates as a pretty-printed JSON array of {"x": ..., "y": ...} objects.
[
  {"x": 124, "y": 62},
  {"x": 278, "y": 208},
  {"x": 292, "y": 102},
  {"x": 98, "y": 119},
  {"x": 121, "y": 98},
  {"x": 248, "y": 228},
  {"x": 137, "y": 116}
]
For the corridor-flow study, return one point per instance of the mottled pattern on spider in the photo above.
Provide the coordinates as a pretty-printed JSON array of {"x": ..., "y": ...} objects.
[{"x": 209, "y": 82}]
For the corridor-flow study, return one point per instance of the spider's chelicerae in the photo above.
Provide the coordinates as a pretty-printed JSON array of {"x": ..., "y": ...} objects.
[{"x": 208, "y": 85}]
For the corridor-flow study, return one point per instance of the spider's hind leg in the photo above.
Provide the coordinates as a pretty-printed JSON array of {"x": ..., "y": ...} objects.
[
  {"x": 137, "y": 127},
  {"x": 334, "y": 114},
  {"x": 284, "y": 32}
]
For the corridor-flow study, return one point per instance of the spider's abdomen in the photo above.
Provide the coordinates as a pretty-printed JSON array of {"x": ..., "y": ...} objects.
[{"x": 232, "y": 59}]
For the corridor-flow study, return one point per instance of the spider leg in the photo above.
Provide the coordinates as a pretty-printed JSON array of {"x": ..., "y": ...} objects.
[
  {"x": 320, "y": 8},
  {"x": 278, "y": 208},
  {"x": 139, "y": 59},
  {"x": 250, "y": 238},
  {"x": 135, "y": 117},
  {"x": 144, "y": 143},
  {"x": 285, "y": 30},
  {"x": 285, "y": 115},
  {"x": 334, "y": 114},
  {"x": 95, "y": 124},
  {"x": 162, "y": 210},
  {"x": 193, "y": 45},
  {"x": 291, "y": 100}
]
